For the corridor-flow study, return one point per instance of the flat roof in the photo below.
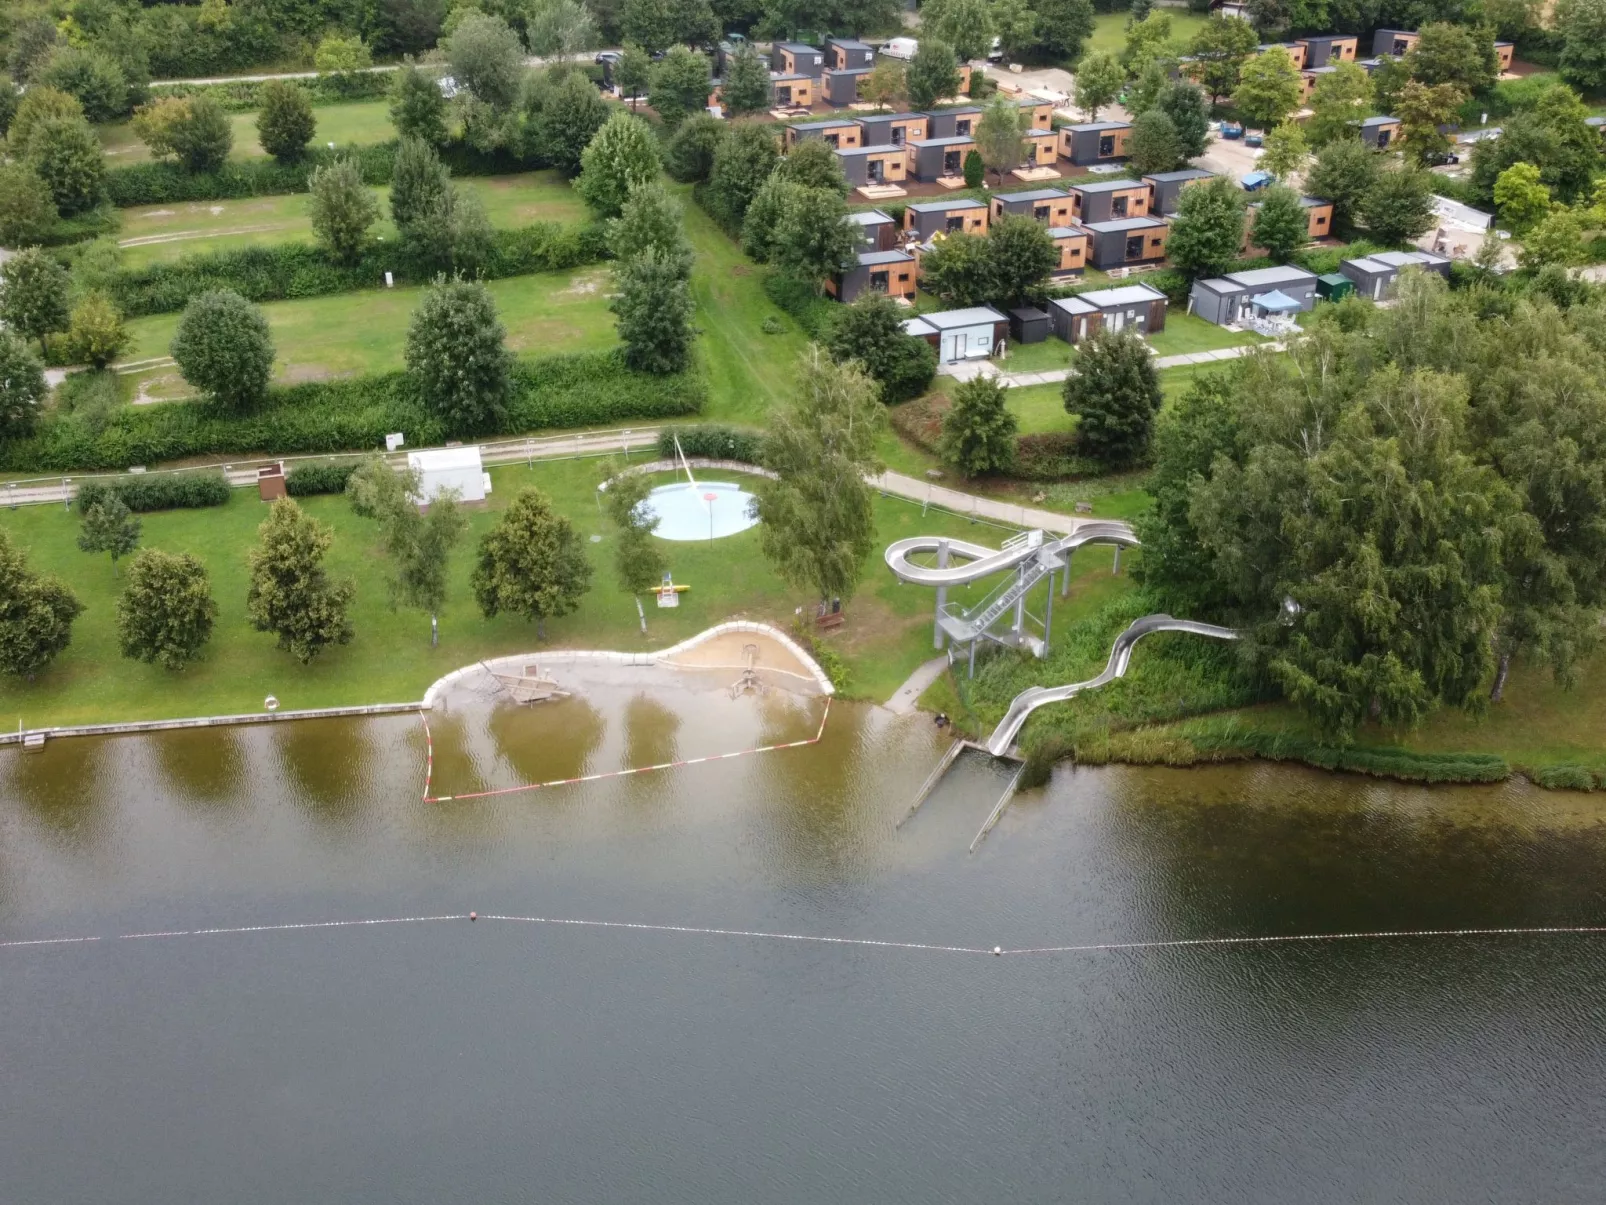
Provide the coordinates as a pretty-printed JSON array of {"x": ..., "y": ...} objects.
[
  {"x": 955, "y": 109},
  {"x": 797, "y": 47},
  {"x": 1125, "y": 295},
  {"x": 974, "y": 316},
  {"x": 869, "y": 259},
  {"x": 945, "y": 206},
  {"x": 951, "y": 140},
  {"x": 1367, "y": 264},
  {"x": 825, "y": 125},
  {"x": 1379, "y": 121},
  {"x": 1328, "y": 37},
  {"x": 1186, "y": 173},
  {"x": 917, "y": 326},
  {"x": 1089, "y": 126},
  {"x": 867, "y": 118},
  {"x": 1059, "y": 232},
  {"x": 1036, "y": 194},
  {"x": 1109, "y": 186},
  {"x": 439, "y": 460},
  {"x": 1220, "y": 284},
  {"x": 1313, "y": 202},
  {"x": 869, "y": 217},
  {"x": 848, "y": 43},
  {"x": 884, "y": 149},
  {"x": 1028, "y": 312},
  {"x": 1257, "y": 278},
  {"x": 1404, "y": 259},
  {"x": 847, "y": 70},
  {"x": 1073, "y": 305},
  {"x": 1120, "y": 224}
]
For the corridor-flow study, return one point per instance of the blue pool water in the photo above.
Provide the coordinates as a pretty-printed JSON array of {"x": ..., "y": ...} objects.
[{"x": 707, "y": 510}]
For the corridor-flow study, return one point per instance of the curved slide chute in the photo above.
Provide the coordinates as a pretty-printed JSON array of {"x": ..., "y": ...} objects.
[
  {"x": 1030, "y": 699},
  {"x": 981, "y": 561}
]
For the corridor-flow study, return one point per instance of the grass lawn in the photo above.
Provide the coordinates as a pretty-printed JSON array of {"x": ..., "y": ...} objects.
[
  {"x": 1051, "y": 353},
  {"x": 1039, "y": 409},
  {"x": 1186, "y": 333},
  {"x": 366, "y": 332},
  {"x": 1109, "y": 29},
  {"x": 161, "y": 234},
  {"x": 359, "y": 121},
  {"x": 887, "y": 635}
]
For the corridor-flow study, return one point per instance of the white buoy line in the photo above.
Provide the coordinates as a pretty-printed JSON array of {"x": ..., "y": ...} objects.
[{"x": 822, "y": 939}]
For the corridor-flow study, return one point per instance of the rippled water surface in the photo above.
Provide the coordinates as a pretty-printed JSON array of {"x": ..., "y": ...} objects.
[{"x": 450, "y": 1062}]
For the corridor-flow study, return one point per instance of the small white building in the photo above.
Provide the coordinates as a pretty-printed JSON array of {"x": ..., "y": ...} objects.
[{"x": 450, "y": 468}]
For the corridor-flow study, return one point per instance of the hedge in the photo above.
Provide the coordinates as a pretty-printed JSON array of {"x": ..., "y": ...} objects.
[
  {"x": 802, "y": 300},
  {"x": 289, "y": 270},
  {"x": 158, "y": 491},
  {"x": 304, "y": 480},
  {"x": 1382, "y": 762},
  {"x": 239, "y": 96},
  {"x": 712, "y": 442},
  {"x": 351, "y": 415}
]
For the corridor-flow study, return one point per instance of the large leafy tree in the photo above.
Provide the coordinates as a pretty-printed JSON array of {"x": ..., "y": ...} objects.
[
  {"x": 651, "y": 221},
  {"x": 36, "y": 614},
  {"x": 680, "y": 85},
  {"x": 813, "y": 239},
  {"x": 33, "y": 294},
  {"x": 1522, "y": 196},
  {"x": 1460, "y": 56},
  {"x": 654, "y": 310},
  {"x": 487, "y": 58},
  {"x": 417, "y": 108},
  {"x": 886, "y": 84},
  {"x": 1148, "y": 40},
  {"x": 818, "y": 517},
  {"x": 747, "y": 84},
  {"x": 37, "y": 106},
  {"x": 1208, "y": 228},
  {"x": 94, "y": 78},
  {"x": 456, "y": 352},
  {"x": 742, "y": 161},
  {"x": 1268, "y": 89},
  {"x": 623, "y": 154},
  {"x": 1281, "y": 224},
  {"x": 1154, "y": 145},
  {"x": 105, "y": 525},
  {"x": 1582, "y": 26},
  {"x": 418, "y": 180},
  {"x": 1185, "y": 105},
  {"x": 966, "y": 25},
  {"x": 1020, "y": 256},
  {"x": 1063, "y": 26},
  {"x": 1554, "y": 136},
  {"x": 570, "y": 113},
  {"x": 932, "y": 74},
  {"x": 22, "y": 386},
  {"x": 1115, "y": 392},
  {"x": 341, "y": 209},
  {"x": 1399, "y": 206},
  {"x": 959, "y": 270},
  {"x": 978, "y": 431},
  {"x": 1285, "y": 154},
  {"x": 193, "y": 130},
  {"x": 1221, "y": 47},
  {"x": 1015, "y": 23},
  {"x": 1000, "y": 136},
  {"x": 285, "y": 123},
  {"x": 689, "y": 157},
  {"x": 1339, "y": 102},
  {"x": 633, "y": 73},
  {"x": 638, "y": 560},
  {"x": 224, "y": 349},
  {"x": 418, "y": 544},
  {"x": 65, "y": 153},
  {"x": 166, "y": 611},
  {"x": 1425, "y": 114},
  {"x": 531, "y": 563},
  {"x": 1344, "y": 173},
  {"x": 27, "y": 210},
  {"x": 870, "y": 332},
  {"x": 813, "y": 164},
  {"x": 1098, "y": 82},
  {"x": 290, "y": 594}
]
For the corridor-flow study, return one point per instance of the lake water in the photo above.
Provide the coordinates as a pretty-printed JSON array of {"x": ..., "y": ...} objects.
[{"x": 448, "y": 1062}]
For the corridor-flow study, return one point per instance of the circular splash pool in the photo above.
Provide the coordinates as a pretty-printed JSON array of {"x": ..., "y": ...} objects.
[{"x": 707, "y": 510}]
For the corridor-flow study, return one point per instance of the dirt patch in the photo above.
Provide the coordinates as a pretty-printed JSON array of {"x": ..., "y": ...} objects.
[
  {"x": 585, "y": 284},
  {"x": 741, "y": 270},
  {"x": 300, "y": 374}
]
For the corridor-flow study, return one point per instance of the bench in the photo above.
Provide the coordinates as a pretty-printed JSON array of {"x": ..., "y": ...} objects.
[{"x": 827, "y": 622}]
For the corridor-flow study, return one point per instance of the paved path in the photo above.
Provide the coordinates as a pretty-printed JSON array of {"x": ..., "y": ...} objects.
[
  {"x": 903, "y": 699},
  {"x": 969, "y": 504},
  {"x": 967, "y": 370}
]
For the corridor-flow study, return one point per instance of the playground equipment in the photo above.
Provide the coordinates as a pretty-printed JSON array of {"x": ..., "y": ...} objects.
[
  {"x": 1031, "y": 555},
  {"x": 700, "y": 510},
  {"x": 528, "y": 684},
  {"x": 749, "y": 683}
]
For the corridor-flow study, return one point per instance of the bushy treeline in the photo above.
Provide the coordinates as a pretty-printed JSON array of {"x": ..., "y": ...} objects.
[
  {"x": 157, "y": 491},
  {"x": 713, "y": 442},
  {"x": 290, "y": 270},
  {"x": 578, "y": 390}
]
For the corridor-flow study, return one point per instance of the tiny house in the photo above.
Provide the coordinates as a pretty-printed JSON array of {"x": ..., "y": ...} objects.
[
  {"x": 1042, "y": 148},
  {"x": 1318, "y": 223},
  {"x": 847, "y": 54},
  {"x": 1394, "y": 42},
  {"x": 1165, "y": 188},
  {"x": 892, "y": 129},
  {"x": 961, "y": 215},
  {"x": 1127, "y": 241},
  {"x": 1106, "y": 200},
  {"x": 953, "y": 123},
  {"x": 1503, "y": 53},
  {"x": 838, "y": 133},
  {"x": 877, "y": 230},
  {"x": 1138, "y": 307},
  {"x": 968, "y": 334},
  {"x": 1094, "y": 141},
  {"x": 1379, "y": 132},
  {"x": 1227, "y": 300},
  {"x": 1296, "y": 51},
  {"x": 873, "y": 165},
  {"x": 934, "y": 158},
  {"x": 793, "y": 90},
  {"x": 1029, "y": 325},
  {"x": 1375, "y": 275},
  {"x": 841, "y": 88},
  {"x": 794, "y": 58},
  {"x": 1040, "y": 113},
  {"x": 1047, "y": 205},
  {"x": 1329, "y": 48},
  {"x": 890, "y": 272},
  {"x": 1071, "y": 242}
]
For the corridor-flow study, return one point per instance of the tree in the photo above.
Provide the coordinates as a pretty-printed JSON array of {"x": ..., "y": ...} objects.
[
  {"x": 531, "y": 563},
  {"x": 93, "y": 78},
  {"x": 654, "y": 311},
  {"x": 1339, "y": 102},
  {"x": 623, "y": 154},
  {"x": 1388, "y": 78},
  {"x": 1285, "y": 154},
  {"x": 1554, "y": 135},
  {"x": 1521, "y": 195},
  {"x": 1557, "y": 239},
  {"x": 1269, "y": 88},
  {"x": 27, "y": 210},
  {"x": 22, "y": 386},
  {"x": 559, "y": 29},
  {"x": 1016, "y": 26},
  {"x": 33, "y": 294},
  {"x": 32, "y": 41},
  {"x": 457, "y": 355},
  {"x": 651, "y": 221},
  {"x": 285, "y": 123},
  {"x": 1148, "y": 40},
  {"x": 959, "y": 270},
  {"x": 37, "y": 106},
  {"x": 1281, "y": 224},
  {"x": 1185, "y": 105},
  {"x": 1154, "y": 145},
  {"x": 1208, "y": 228},
  {"x": 1454, "y": 55},
  {"x": 689, "y": 157},
  {"x": 1098, "y": 82},
  {"x": 1221, "y": 48},
  {"x": 870, "y": 332},
  {"x": 1144, "y": 92},
  {"x": 1115, "y": 391},
  {"x": 1020, "y": 255},
  {"x": 814, "y": 239},
  {"x": 1271, "y": 18},
  {"x": 660, "y": 24},
  {"x": 764, "y": 216},
  {"x": 571, "y": 114},
  {"x": 1400, "y": 205},
  {"x": 341, "y": 209},
  {"x": 66, "y": 155},
  {"x": 105, "y": 525},
  {"x": 747, "y": 83},
  {"x": 966, "y": 25},
  {"x": 487, "y": 58},
  {"x": 95, "y": 331},
  {"x": 1582, "y": 26},
  {"x": 342, "y": 58},
  {"x": 417, "y": 544},
  {"x": 978, "y": 431},
  {"x": 290, "y": 594},
  {"x": 1062, "y": 27},
  {"x": 633, "y": 73},
  {"x": 742, "y": 162},
  {"x": 418, "y": 180},
  {"x": 638, "y": 561},
  {"x": 166, "y": 611},
  {"x": 417, "y": 108},
  {"x": 193, "y": 130},
  {"x": 1422, "y": 112},
  {"x": 680, "y": 85},
  {"x": 932, "y": 74},
  {"x": 817, "y": 515},
  {"x": 223, "y": 348},
  {"x": 1000, "y": 135},
  {"x": 886, "y": 84},
  {"x": 975, "y": 169},
  {"x": 1344, "y": 174},
  {"x": 813, "y": 164},
  {"x": 36, "y": 614}
]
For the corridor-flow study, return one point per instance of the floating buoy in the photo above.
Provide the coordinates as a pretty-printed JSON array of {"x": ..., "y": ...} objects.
[
  {"x": 271, "y": 703},
  {"x": 998, "y": 950},
  {"x": 473, "y": 916}
]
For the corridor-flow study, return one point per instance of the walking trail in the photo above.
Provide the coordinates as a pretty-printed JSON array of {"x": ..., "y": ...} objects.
[{"x": 969, "y": 370}]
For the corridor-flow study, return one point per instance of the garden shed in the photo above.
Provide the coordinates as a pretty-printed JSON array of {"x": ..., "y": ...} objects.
[
  {"x": 1028, "y": 325},
  {"x": 450, "y": 468}
]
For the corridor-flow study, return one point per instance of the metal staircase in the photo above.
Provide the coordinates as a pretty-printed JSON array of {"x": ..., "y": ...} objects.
[{"x": 965, "y": 625}]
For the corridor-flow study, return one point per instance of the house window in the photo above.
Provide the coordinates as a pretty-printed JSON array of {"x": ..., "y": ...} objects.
[
  {"x": 878, "y": 280},
  {"x": 1106, "y": 145},
  {"x": 897, "y": 135},
  {"x": 1156, "y": 244},
  {"x": 903, "y": 278},
  {"x": 783, "y": 96},
  {"x": 832, "y": 141},
  {"x": 1383, "y": 138},
  {"x": 950, "y": 163},
  {"x": 955, "y": 225},
  {"x": 1134, "y": 247},
  {"x": 1040, "y": 212},
  {"x": 1118, "y": 207},
  {"x": 962, "y": 127}
]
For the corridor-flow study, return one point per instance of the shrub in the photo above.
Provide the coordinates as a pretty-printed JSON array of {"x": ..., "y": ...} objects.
[
  {"x": 456, "y": 352},
  {"x": 304, "y": 480},
  {"x": 1565, "y": 777},
  {"x": 143, "y": 492},
  {"x": 713, "y": 442},
  {"x": 96, "y": 332},
  {"x": 285, "y": 123},
  {"x": 341, "y": 209},
  {"x": 802, "y": 300},
  {"x": 168, "y": 183}
]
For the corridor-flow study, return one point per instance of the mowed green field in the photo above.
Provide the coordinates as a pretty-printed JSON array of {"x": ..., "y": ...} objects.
[
  {"x": 390, "y": 659},
  {"x": 164, "y": 233},
  {"x": 357, "y": 333},
  {"x": 358, "y": 122},
  {"x": 1109, "y": 29}
]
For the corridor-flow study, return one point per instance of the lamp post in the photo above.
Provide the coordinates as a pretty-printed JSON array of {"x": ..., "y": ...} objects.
[{"x": 710, "y": 499}]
